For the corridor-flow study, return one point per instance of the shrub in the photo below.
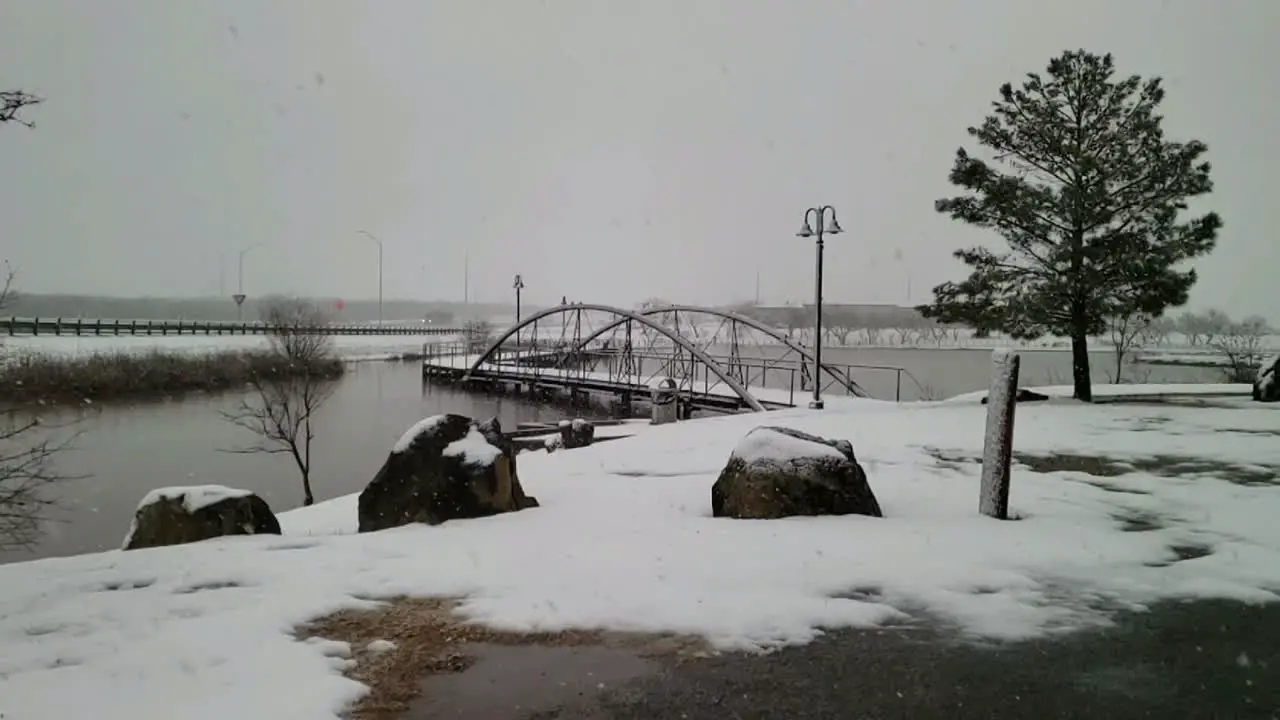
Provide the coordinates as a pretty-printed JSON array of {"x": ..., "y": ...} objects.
[{"x": 50, "y": 378}]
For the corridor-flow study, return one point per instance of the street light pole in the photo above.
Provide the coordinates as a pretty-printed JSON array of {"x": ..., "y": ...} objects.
[
  {"x": 240, "y": 283},
  {"x": 817, "y": 228},
  {"x": 518, "y": 285},
  {"x": 369, "y": 235}
]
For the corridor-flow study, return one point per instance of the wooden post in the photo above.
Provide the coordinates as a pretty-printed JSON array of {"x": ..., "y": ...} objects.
[{"x": 997, "y": 447}]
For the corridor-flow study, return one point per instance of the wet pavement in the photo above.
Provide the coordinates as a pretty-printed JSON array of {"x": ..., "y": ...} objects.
[
  {"x": 531, "y": 681},
  {"x": 1198, "y": 660}
]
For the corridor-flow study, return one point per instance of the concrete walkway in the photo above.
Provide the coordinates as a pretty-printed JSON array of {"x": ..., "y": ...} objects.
[{"x": 1195, "y": 661}]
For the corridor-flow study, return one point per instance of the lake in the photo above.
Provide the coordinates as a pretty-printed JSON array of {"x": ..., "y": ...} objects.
[{"x": 127, "y": 450}]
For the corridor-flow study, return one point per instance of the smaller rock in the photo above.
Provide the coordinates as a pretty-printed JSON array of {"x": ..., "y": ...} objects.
[
  {"x": 576, "y": 434},
  {"x": 1266, "y": 385},
  {"x": 178, "y": 515},
  {"x": 1023, "y": 395},
  {"x": 777, "y": 472}
]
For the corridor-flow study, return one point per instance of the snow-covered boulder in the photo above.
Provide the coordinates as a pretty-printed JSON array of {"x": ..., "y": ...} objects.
[
  {"x": 445, "y": 467},
  {"x": 576, "y": 433},
  {"x": 177, "y": 515},
  {"x": 1266, "y": 386},
  {"x": 777, "y": 472}
]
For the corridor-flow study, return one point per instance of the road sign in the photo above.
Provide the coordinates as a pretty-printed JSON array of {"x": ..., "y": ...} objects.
[{"x": 239, "y": 298}]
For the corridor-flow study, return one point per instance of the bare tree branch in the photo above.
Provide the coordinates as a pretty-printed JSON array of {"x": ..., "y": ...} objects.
[
  {"x": 281, "y": 407},
  {"x": 7, "y": 292},
  {"x": 12, "y": 103},
  {"x": 1242, "y": 345},
  {"x": 28, "y": 475}
]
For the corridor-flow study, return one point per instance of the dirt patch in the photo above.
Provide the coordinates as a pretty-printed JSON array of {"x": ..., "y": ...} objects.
[
  {"x": 1162, "y": 465},
  {"x": 1100, "y": 466},
  {"x": 430, "y": 639}
]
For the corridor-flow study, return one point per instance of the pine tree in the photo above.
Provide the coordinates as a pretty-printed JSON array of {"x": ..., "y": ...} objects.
[{"x": 1090, "y": 197}]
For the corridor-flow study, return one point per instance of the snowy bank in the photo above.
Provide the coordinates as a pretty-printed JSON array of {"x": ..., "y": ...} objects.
[
  {"x": 347, "y": 347},
  {"x": 624, "y": 539},
  {"x": 1125, "y": 391}
]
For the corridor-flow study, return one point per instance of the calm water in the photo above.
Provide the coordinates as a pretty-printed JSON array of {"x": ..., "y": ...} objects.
[{"x": 129, "y": 450}]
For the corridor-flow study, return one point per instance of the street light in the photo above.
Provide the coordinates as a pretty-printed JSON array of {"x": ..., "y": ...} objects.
[
  {"x": 369, "y": 235},
  {"x": 239, "y": 298},
  {"x": 818, "y": 228},
  {"x": 518, "y": 285}
]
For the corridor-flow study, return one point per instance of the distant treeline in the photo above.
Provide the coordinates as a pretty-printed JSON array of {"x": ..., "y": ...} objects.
[
  {"x": 836, "y": 315},
  {"x": 93, "y": 306}
]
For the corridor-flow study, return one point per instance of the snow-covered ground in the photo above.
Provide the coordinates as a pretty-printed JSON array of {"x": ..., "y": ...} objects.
[
  {"x": 624, "y": 539},
  {"x": 1128, "y": 391},
  {"x": 351, "y": 347}
]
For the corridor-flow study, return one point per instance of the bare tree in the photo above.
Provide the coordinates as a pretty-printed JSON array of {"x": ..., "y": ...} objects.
[
  {"x": 27, "y": 474},
  {"x": 27, "y": 471},
  {"x": 283, "y": 403},
  {"x": 476, "y": 336},
  {"x": 840, "y": 330},
  {"x": 1127, "y": 333},
  {"x": 1158, "y": 331},
  {"x": 12, "y": 103},
  {"x": 1242, "y": 344},
  {"x": 1191, "y": 327},
  {"x": 1214, "y": 324}
]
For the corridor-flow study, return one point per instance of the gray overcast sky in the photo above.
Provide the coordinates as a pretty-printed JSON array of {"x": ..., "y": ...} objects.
[{"x": 609, "y": 150}]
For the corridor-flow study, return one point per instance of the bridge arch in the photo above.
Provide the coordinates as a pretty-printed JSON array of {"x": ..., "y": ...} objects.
[
  {"x": 774, "y": 334},
  {"x": 624, "y": 316}
]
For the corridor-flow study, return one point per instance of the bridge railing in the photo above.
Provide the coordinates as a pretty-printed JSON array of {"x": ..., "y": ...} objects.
[
  {"x": 80, "y": 327},
  {"x": 789, "y": 375}
]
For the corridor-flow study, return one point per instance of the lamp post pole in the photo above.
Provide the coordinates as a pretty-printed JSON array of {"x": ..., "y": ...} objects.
[
  {"x": 240, "y": 283},
  {"x": 816, "y": 228},
  {"x": 518, "y": 284},
  {"x": 370, "y": 235}
]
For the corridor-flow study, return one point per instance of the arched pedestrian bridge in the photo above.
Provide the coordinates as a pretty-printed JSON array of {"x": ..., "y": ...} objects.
[{"x": 718, "y": 359}]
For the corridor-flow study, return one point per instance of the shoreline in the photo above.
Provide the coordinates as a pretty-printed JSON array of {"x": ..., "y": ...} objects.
[{"x": 49, "y": 380}]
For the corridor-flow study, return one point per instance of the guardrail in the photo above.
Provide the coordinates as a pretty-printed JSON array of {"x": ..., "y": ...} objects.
[{"x": 14, "y": 326}]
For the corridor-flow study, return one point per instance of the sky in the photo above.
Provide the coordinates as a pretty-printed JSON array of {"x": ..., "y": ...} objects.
[{"x": 606, "y": 150}]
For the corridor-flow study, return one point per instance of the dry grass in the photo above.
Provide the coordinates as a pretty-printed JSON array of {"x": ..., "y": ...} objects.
[
  {"x": 48, "y": 378},
  {"x": 430, "y": 639}
]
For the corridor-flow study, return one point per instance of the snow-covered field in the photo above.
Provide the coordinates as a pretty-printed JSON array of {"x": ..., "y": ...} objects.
[
  {"x": 624, "y": 539},
  {"x": 351, "y": 347}
]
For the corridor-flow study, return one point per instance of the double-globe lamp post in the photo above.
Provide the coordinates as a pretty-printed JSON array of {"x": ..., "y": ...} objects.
[
  {"x": 518, "y": 284},
  {"x": 817, "y": 227},
  {"x": 369, "y": 235}
]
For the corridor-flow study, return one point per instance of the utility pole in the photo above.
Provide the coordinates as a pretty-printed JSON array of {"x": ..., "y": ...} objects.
[
  {"x": 807, "y": 230},
  {"x": 369, "y": 235},
  {"x": 239, "y": 296},
  {"x": 757, "y": 287},
  {"x": 466, "y": 278}
]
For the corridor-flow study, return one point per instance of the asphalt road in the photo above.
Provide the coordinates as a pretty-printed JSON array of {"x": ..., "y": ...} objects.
[{"x": 1202, "y": 660}]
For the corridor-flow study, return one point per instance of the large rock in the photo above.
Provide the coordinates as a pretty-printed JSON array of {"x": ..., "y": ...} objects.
[
  {"x": 1266, "y": 386},
  {"x": 445, "y": 467},
  {"x": 778, "y": 472},
  {"x": 177, "y": 515}
]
